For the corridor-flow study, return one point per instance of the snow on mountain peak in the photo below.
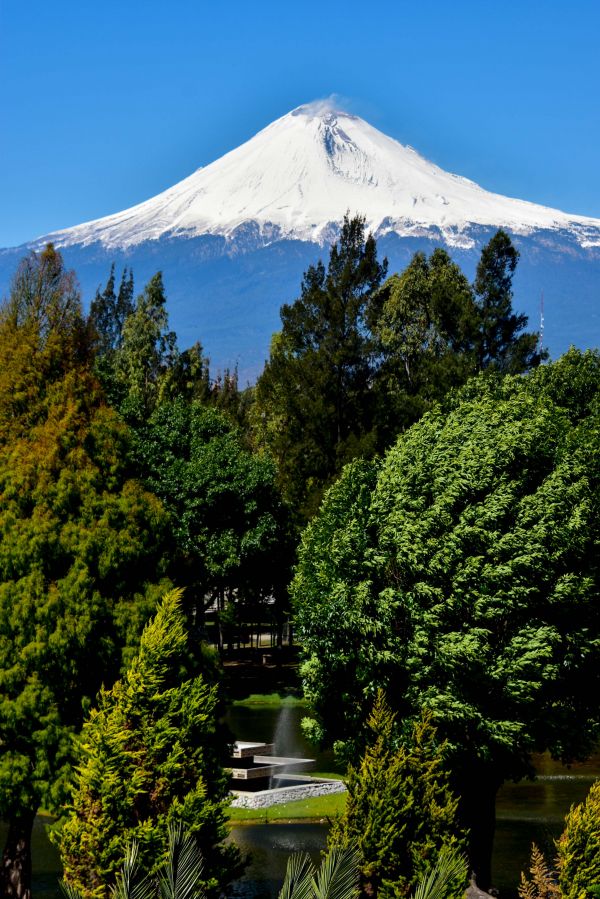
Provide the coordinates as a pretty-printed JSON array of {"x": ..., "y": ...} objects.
[{"x": 298, "y": 177}]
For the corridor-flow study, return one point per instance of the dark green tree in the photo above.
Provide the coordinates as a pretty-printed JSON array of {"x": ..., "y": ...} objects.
[
  {"x": 462, "y": 577},
  {"x": 231, "y": 543},
  {"x": 147, "y": 353},
  {"x": 314, "y": 408},
  {"x": 108, "y": 312},
  {"x": 150, "y": 756},
  {"x": 400, "y": 811},
  {"x": 501, "y": 343},
  {"x": 80, "y": 541},
  {"x": 424, "y": 322}
]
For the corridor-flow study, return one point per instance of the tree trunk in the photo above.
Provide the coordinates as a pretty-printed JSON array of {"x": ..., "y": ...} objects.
[
  {"x": 15, "y": 882},
  {"x": 477, "y": 810}
]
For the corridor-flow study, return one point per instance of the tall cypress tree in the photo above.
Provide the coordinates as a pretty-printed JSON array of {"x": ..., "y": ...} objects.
[
  {"x": 400, "y": 811},
  {"x": 148, "y": 351},
  {"x": 150, "y": 754},
  {"x": 79, "y": 540}
]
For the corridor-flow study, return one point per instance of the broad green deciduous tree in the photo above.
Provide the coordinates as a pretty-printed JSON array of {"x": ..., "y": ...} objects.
[
  {"x": 462, "y": 576},
  {"x": 150, "y": 755},
  {"x": 79, "y": 541},
  {"x": 231, "y": 541}
]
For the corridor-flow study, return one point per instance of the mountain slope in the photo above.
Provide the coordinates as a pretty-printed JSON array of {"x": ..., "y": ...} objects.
[{"x": 301, "y": 173}]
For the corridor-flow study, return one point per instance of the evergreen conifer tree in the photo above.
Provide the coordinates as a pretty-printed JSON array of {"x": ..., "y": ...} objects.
[
  {"x": 103, "y": 315},
  {"x": 150, "y": 755},
  {"x": 147, "y": 353},
  {"x": 501, "y": 343},
  {"x": 314, "y": 404},
  {"x": 578, "y": 858},
  {"x": 400, "y": 811}
]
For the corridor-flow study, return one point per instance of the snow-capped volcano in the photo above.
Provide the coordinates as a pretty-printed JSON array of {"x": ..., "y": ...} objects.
[
  {"x": 296, "y": 179},
  {"x": 234, "y": 238}
]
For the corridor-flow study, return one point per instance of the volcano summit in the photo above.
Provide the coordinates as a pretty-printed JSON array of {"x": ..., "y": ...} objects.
[{"x": 235, "y": 236}]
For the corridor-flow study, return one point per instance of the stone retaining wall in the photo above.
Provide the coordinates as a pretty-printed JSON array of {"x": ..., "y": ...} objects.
[{"x": 265, "y": 798}]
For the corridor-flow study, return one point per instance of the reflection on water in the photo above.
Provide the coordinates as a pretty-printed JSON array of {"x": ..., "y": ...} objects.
[
  {"x": 534, "y": 811},
  {"x": 526, "y": 811},
  {"x": 269, "y": 847}
]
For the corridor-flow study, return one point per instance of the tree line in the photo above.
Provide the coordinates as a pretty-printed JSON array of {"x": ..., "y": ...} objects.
[{"x": 361, "y": 356}]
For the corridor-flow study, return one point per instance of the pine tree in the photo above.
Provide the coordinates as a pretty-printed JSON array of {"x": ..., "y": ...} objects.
[
  {"x": 108, "y": 313},
  {"x": 147, "y": 354},
  {"x": 314, "y": 406},
  {"x": 124, "y": 305},
  {"x": 400, "y": 811},
  {"x": 102, "y": 315},
  {"x": 150, "y": 755},
  {"x": 500, "y": 343}
]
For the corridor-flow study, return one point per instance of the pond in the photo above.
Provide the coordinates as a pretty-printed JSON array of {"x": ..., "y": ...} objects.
[{"x": 527, "y": 811}]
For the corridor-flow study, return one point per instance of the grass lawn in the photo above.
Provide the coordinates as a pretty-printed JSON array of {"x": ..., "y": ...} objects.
[
  {"x": 314, "y": 809},
  {"x": 272, "y": 700}
]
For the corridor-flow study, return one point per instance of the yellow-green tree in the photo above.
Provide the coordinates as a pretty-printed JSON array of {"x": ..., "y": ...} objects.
[
  {"x": 79, "y": 541},
  {"x": 578, "y": 857},
  {"x": 400, "y": 812},
  {"x": 150, "y": 755}
]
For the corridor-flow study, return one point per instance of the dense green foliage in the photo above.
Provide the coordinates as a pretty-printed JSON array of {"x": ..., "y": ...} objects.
[
  {"x": 466, "y": 581},
  {"x": 400, "y": 812},
  {"x": 424, "y": 323},
  {"x": 79, "y": 542},
  {"x": 150, "y": 754},
  {"x": 108, "y": 312},
  {"x": 357, "y": 362},
  {"x": 230, "y": 542},
  {"x": 137, "y": 359},
  {"x": 179, "y": 877}
]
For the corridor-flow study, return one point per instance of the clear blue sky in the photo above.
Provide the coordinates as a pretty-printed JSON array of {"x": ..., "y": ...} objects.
[{"x": 102, "y": 105}]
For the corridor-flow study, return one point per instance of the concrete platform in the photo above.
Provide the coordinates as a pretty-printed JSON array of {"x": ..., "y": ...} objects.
[
  {"x": 269, "y": 766},
  {"x": 242, "y": 749},
  {"x": 295, "y": 787}
]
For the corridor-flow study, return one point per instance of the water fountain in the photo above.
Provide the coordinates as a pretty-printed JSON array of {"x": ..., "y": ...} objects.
[{"x": 260, "y": 779}]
